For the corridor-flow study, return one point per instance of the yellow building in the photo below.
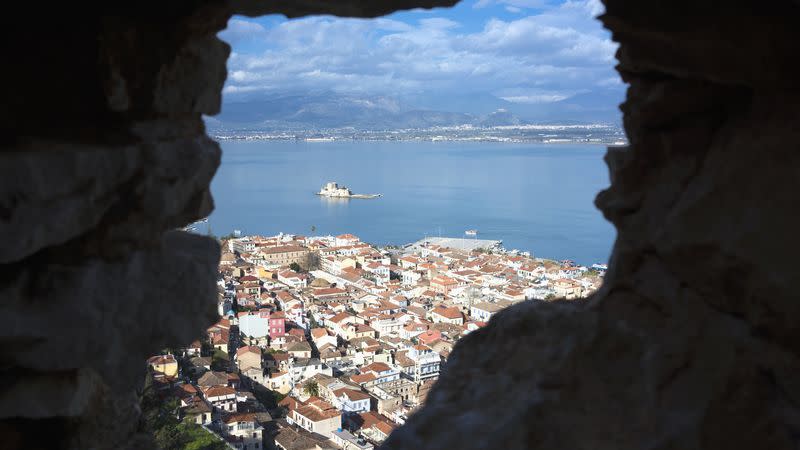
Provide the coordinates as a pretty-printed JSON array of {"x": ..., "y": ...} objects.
[{"x": 164, "y": 364}]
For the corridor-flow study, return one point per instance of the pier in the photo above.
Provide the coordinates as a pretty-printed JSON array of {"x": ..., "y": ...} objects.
[{"x": 458, "y": 243}]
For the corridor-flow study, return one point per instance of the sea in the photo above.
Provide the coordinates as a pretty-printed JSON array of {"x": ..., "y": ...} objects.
[{"x": 533, "y": 197}]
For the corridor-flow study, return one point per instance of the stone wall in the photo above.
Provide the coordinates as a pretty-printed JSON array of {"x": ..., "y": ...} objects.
[
  {"x": 692, "y": 341},
  {"x": 104, "y": 155}
]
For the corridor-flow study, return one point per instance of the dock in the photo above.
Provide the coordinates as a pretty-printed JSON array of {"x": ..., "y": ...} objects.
[{"x": 458, "y": 243}]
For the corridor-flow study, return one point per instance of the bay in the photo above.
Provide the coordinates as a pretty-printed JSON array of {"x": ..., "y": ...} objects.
[{"x": 533, "y": 197}]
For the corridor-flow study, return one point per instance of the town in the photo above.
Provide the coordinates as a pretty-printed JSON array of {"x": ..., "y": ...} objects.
[
  {"x": 330, "y": 342},
  {"x": 603, "y": 134}
]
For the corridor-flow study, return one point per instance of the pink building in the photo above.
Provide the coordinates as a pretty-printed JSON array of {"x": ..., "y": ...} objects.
[{"x": 277, "y": 324}]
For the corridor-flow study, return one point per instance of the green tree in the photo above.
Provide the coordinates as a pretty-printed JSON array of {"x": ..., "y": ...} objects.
[
  {"x": 206, "y": 349},
  {"x": 313, "y": 228},
  {"x": 311, "y": 388},
  {"x": 267, "y": 397},
  {"x": 196, "y": 438},
  {"x": 160, "y": 418},
  {"x": 219, "y": 360},
  {"x": 311, "y": 321},
  {"x": 296, "y": 267},
  {"x": 310, "y": 261}
]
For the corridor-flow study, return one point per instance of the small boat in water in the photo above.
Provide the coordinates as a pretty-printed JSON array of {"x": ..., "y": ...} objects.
[{"x": 471, "y": 232}]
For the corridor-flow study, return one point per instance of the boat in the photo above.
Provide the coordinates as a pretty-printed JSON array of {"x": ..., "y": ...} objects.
[
  {"x": 471, "y": 232},
  {"x": 332, "y": 189}
]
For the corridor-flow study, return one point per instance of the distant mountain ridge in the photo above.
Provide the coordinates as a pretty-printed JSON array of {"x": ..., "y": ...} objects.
[{"x": 331, "y": 110}]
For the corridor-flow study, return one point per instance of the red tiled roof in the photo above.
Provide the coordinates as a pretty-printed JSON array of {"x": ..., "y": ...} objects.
[
  {"x": 316, "y": 409},
  {"x": 384, "y": 427},
  {"x": 219, "y": 391},
  {"x": 248, "y": 349},
  {"x": 376, "y": 367},
  {"x": 351, "y": 394},
  {"x": 362, "y": 378},
  {"x": 449, "y": 313},
  {"x": 240, "y": 417}
]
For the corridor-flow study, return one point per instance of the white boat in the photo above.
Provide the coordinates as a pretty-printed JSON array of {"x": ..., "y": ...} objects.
[{"x": 471, "y": 232}]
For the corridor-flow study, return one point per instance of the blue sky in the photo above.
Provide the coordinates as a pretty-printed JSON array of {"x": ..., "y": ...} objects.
[{"x": 526, "y": 52}]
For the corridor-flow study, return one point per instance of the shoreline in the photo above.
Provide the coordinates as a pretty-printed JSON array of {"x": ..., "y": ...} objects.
[{"x": 483, "y": 141}]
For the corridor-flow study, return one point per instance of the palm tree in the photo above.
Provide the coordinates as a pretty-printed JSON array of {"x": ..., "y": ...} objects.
[{"x": 313, "y": 228}]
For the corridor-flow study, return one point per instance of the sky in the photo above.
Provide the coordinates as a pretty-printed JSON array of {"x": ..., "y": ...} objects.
[{"x": 523, "y": 52}]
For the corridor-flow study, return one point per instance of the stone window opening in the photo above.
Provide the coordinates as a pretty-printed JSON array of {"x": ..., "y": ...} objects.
[{"x": 690, "y": 343}]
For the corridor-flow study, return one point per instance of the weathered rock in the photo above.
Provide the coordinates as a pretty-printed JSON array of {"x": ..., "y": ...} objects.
[
  {"x": 87, "y": 315},
  {"x": 349, "y": 8},
  {"x": 38, "y": 395},
  {"x": 111, "y": 196},
  {"x": 691, "y": 342},
  {"x": 195, "y": 76}
]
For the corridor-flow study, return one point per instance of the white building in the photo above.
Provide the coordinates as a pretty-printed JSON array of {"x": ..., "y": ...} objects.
[
  {"x": 303, "y": 368},
  {"x": 351, "y": 401},
  {"x": 293, "y": 279},
  {"x": 426, "y": 363},
  {"x": 387, "y": 326},
  {"x": 254, "y": 325},
  {"x": 484, "y": 311},
  {"x": 242, "y": 245},
  {"x": 411, "y": 277},
  {"x": 344, "y": 240},
  {"x": 316, "y": 416},
  {"x": 347, "y": 441},
  {"x": 243, "y": 431}
]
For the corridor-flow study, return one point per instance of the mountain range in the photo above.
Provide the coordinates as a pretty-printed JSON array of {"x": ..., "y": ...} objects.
[{"x": 333, "y": 110}]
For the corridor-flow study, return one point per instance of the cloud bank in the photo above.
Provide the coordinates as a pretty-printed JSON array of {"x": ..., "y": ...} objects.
[{"x": 522, "y": 51}]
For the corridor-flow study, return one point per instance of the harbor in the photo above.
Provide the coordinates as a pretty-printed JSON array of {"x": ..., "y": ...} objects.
[{"x": 457, "y": 243}]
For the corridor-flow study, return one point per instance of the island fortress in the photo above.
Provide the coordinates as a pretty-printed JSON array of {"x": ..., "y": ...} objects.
[{"x": 332, "y": 189}]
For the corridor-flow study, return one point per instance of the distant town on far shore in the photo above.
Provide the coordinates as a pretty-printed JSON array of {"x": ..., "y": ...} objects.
[{"x": 529, "y": 133}]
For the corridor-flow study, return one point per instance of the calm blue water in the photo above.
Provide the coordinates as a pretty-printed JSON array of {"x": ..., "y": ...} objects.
[{"x": 533, "y": 197}]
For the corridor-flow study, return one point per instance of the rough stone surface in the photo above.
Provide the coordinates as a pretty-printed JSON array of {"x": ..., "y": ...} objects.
[
  {"x": 350, "y": 8},
  {"x": 125, "y": 194},
  {"x": 126, "y": 324},
  {"x": 692, "y": 341},
  {"x": 104, "y": 155}
]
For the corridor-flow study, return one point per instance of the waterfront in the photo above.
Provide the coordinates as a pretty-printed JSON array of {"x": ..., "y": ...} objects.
[{"x": 533, "y": 197}]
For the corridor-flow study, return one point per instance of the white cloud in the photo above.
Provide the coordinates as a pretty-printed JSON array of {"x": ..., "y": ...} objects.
[
  {"x": 533, "y": 99},
  {"x": 518, "y": 4},
  {"x": 239, "y": 30},
  {"x": 544, "y": 57}
]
